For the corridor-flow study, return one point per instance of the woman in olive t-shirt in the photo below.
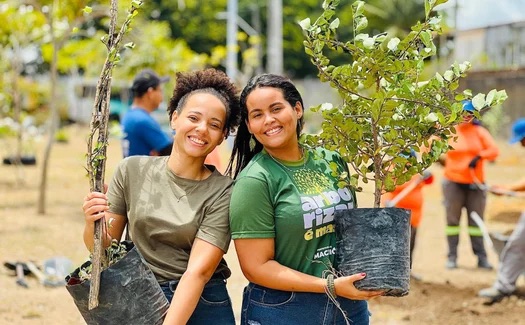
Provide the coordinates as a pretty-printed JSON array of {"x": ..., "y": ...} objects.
[{"x": 176, "y": 207}]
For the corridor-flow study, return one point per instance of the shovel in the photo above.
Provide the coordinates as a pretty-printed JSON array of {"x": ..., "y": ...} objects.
[
  {"x": 21, "y": 270},
  {"x": 481, "y": 225},
  {"x": 20, "y": 277},
  {"x": 426, "y": 177}
]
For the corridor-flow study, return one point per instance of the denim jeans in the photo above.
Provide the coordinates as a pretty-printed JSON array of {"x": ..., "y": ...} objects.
[
  {"x": 264, "y": 306},
  {"x": 214, "y": 305}
]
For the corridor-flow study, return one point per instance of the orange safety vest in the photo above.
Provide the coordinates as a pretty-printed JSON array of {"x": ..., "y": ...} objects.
[{"x": 413, "y": 201}]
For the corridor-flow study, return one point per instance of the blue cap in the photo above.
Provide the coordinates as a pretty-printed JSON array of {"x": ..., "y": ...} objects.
[
  {"x": 467, "y": 106},
  {"x": 408, "y": 154},
  {"x": 518, "y": 130}
]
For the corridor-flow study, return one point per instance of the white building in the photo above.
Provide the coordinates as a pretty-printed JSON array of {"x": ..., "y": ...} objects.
[{"x": 489, "y": 33}]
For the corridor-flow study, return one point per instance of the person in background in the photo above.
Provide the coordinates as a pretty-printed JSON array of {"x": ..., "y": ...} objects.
[
  {"x": 285, "y": 248},
  {"x": 472, "y": 145},
  {"x": 177, "y": 207},
  {"x": 143, "y": 135},
  {"x": 214, "y": 158},
  {"x": 410, "y": 196},
  {"x": 512, "y": 259}
]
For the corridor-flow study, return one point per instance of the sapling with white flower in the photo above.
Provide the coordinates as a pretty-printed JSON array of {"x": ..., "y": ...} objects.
[{"x": 389, "y": 107}]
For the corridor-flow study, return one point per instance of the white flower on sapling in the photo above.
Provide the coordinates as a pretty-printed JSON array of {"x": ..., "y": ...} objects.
[
  {"x": 432, "y": 117},
  {"x": 392, "y": 44},
  {"x": 326, "y": 106}
]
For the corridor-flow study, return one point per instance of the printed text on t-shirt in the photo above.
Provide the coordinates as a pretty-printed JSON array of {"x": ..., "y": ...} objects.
[{"x": 319, "y": 211}]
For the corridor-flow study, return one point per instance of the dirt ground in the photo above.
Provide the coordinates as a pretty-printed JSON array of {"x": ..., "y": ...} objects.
[{"x": 442, "y": 297}]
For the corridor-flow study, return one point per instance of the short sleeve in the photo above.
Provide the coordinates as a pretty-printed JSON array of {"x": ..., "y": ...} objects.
[
  {"x": 116, "y": 188},
  {"x": 215, "y": 227},
  {"x": 251, "y": 209}
]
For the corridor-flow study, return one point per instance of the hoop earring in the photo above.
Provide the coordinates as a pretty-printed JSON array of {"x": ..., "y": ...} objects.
[{"x": 252, "y": 143}]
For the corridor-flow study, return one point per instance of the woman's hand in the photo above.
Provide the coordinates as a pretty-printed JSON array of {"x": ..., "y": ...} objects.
[
  {"x": 344, "y": 287},
  {"x": 95, "y": 205}
]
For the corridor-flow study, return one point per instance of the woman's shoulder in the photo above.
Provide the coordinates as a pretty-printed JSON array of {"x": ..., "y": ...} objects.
[
  {"x": 257, "y": 167},
  {"x": 138, "y": 161},
  {"x": 217, "y": 177}
]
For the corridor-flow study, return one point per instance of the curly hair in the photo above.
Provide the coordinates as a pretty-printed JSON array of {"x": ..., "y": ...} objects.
[{"x": 211, "y": 81}]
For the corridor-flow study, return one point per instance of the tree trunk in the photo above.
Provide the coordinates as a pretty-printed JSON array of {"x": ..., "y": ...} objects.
[
  {"x": 53, "y": 122},
  {"x": 17, "y": 68}
]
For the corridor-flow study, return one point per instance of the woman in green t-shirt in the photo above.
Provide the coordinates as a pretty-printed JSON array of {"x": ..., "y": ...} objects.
[
  {"x": 281, "y": 215},
  {"x": 176, "y": 207}
]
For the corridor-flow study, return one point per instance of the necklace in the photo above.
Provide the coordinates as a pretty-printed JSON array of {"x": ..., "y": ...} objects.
[
  {"x": 179, "y": 186},
  {"x": 186, "y": 192}
]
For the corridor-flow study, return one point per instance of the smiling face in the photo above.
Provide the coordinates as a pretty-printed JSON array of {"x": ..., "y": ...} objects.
[
  {"x": 200, "y": 125},
  {"x": 273, "y": 121}
]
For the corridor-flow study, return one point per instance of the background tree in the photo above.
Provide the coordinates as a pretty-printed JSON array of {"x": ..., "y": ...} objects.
[
  {"x": 187, "y": 19},
  {"x": 62, "y": 17},
  {"x": 395, "y": 17},
  {"x": 21, "y": 28}
]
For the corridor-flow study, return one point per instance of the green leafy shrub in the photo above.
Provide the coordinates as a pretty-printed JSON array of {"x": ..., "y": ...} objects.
[{"x": 388, "y": 107}]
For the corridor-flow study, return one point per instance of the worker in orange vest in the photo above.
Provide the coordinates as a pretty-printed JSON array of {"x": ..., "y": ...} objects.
[{"x": 463, "y": 186}]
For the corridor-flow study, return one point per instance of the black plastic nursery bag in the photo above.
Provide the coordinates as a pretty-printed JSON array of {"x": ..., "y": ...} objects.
[{"x": 129, "y": 293}]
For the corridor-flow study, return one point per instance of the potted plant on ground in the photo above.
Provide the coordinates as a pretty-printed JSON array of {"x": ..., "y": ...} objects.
[{"x": 388, "y": 108}]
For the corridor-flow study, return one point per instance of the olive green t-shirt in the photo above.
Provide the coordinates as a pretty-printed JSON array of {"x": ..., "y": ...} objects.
[
  {"x": 295, "y": 205},
  {"x": 166, "y": 212}
]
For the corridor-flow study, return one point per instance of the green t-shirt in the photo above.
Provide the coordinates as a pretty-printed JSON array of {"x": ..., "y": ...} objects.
[
  {"x": 166, "y": 212},
  {"x": 294, "y": 204}
]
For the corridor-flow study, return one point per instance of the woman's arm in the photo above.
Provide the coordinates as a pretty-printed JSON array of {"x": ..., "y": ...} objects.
[
  {"x": 95, "y": 207},
  {"x": 204, "y": 259},
  {"x": 256, "y": 257}
]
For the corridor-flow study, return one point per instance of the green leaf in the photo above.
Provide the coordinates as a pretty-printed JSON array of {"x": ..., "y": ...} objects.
[
  {"x": 360, "y": 23},
  {"x": 448, "y": 75},
  {"x": 136, "y": 3},
  {"x": 427, "y": 8},
  {"x": 490, "y": 97},
  {"x": 426, "y": 37},
  {"x": 478, "y": 101},
  {"x": 439, "y": 78},
  {"x": 369, "y": 43},
  {"x": 500, "y": 97},
  {"x": 358, "y": 8},
  {"x": 392, "y": 44},
  {"x": 334, "y": 24},
  {"x": 87, "y": 10},
  {"x": 305, "y": 24}
]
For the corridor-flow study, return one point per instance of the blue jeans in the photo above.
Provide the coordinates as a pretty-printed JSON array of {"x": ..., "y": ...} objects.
[
  {"x": 264, "y": 306},
  {"x": 214, "y": 305}
]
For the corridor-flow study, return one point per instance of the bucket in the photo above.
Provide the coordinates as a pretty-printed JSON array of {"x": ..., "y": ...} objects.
[
  {"x": 375, "y": 241},
  {"x": 129, "y": 293}
]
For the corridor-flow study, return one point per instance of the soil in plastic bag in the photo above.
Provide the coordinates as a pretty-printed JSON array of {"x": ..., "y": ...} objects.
[
  {"x": 375, "y": 241},
  {"x": 129, "y": 293}
]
